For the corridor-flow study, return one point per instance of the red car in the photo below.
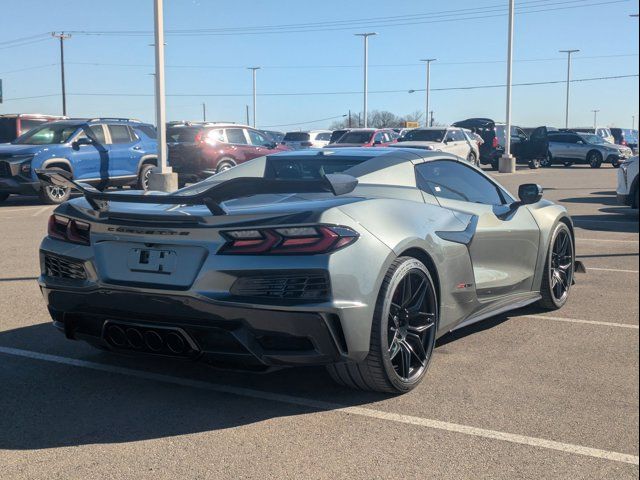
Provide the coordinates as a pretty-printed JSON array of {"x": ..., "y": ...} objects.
[
  {"x": 197, "y": 150},
  {"x": 366, "y": 137}
]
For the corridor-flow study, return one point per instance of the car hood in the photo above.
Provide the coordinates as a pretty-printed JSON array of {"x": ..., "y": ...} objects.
[
  {"x": 347, "y": 145},
  {"x": 11, "y": 149}
]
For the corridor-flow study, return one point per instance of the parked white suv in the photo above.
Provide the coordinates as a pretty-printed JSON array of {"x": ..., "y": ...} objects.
[
  {"x": 628, "y": 183},
  {"x": 441, "y": 139},
  {"x": 304, "y": 140}
]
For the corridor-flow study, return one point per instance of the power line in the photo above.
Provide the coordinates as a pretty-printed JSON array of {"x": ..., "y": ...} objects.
[
  {"x": 24, "y": 39},
  {"x": 25, "y": 69},
  {"x": 397, "y": 65},
  {"x": 302, "y": 94},
  {"x": 470, "y": 15}
]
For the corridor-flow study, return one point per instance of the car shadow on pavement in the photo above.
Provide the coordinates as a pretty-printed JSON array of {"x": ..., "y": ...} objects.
[
  {"x": 623, "y": 222},
  {"x": 48, "y": 405}
]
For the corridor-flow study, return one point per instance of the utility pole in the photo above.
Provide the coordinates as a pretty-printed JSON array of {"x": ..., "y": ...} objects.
[
  {"x": 430, "y": 118},
  {"x": 62, "y": 37},
  {"x": 161, "y": 178},
  {"x": 507, "y": 163},
  {"x": 349, "y": 118},
  {"x": 366, "y": 36},
  {"x": 428, "y": 90},
  {"x": 595, "y": 118},
  {"x": 254, "y": 71},
  {"x": 204, "y": 112},
  {"x": 569, "y": 53},
  {"x": 247, "y": 113}
]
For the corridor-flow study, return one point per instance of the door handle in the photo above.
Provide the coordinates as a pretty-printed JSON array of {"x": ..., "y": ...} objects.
[{"x": 137, "y": 148}]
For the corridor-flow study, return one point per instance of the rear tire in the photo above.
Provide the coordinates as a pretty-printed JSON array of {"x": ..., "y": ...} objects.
[
  {"x": 547, "y": 161},
  {"x": 535, "y": 164},
  {"x": 558, "y": 261},
  {"x": 471, "y": 158},
  {"x": 635, "y": 199},
  {"x": 143, "y": 176},
  {"x": 403, "y": 333},
  {"x": 225, "y": 164}
]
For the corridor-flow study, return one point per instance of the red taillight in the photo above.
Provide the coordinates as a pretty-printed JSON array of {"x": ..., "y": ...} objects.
[
  {"x": 68, "y": 230},
  {"x": 198, "y": 138},
  {"x": 495, "y": 143},
  {"x": 624, "y": 143},
  {"x": 287, "y": 241}
]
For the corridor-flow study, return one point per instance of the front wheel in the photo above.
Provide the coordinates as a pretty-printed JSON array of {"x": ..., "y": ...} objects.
[
  {"x": 559, "y": 269},
  {"x": 472, "y": 159},
  {"x": 403, "y": 333},
  {"x": 534, "y": 164},
  {"x": 595, "y": 159},
  {"x": 547, "y": 161},
  {"x": 54, "y": 194},
  {"x": 225, "y": 164}
]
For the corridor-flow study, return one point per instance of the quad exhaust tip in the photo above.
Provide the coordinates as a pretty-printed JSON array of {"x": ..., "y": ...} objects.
[{"x": 157, "y": 340}]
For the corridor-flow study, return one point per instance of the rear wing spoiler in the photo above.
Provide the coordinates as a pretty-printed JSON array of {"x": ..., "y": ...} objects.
[{"x": 212, "y": 197}]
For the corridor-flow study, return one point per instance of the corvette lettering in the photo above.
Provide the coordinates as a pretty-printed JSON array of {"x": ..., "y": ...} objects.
[{"x": 137, "y": 231}]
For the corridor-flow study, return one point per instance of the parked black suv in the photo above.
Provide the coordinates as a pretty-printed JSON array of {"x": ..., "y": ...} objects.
[{"x": 528, "y": 149}]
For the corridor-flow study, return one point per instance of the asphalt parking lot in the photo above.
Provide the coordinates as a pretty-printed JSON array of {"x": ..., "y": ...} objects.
[{"x": 526, "y": 395}]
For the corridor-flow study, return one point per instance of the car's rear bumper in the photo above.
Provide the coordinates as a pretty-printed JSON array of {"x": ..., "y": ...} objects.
[
  {"x": 229, "y": 336},
  {"x": 18, "y": 186}
]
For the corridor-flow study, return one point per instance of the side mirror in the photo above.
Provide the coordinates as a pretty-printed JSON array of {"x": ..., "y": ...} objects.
[
  {"x": 530, "y": 193},
  {"x": 580, "y": 142},
  {"x": 82, "y": 141}
]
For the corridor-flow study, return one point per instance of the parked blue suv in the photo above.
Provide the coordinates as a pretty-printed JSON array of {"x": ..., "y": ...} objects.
[{"x": 103, "y": 152}]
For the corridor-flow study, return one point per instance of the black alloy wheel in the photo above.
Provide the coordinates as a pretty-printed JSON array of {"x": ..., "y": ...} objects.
[
  {"x": 403, "y": 333},
  {"x": 595, "y": 159},
  {"x": 559, "y": 270},
  {"x": 411, "y": 325}
]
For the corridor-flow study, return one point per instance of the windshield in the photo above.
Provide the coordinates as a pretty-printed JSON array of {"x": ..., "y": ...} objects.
[
  {"x": 296, "y": 137},
  {"x": 591, "y": 138},
  {"x": 356, "y": 137},
  {"x": 51, "y": 134},
  {"x": 424, "y": 136}
]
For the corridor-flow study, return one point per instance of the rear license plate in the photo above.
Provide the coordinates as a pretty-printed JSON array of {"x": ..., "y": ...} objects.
[{"x": 152, "y": 261}]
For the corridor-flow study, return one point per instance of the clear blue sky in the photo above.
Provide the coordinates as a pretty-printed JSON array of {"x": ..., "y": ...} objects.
[{"x": 602, "y": 30}]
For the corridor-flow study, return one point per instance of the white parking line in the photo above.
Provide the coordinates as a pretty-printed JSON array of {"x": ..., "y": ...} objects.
[
  {"x": 588, "y": 322},
  {"x": 40, "y": 211},
  {"x": 320, "y": 405},
  {"x": 611, "y": 270}
]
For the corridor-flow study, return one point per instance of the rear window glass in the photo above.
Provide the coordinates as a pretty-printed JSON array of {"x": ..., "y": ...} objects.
[
  {"x": 120, "y": 134},
  {"x": 296, "y": 137},
  {"x": 424, "y": 136},
  {"x": 182, "y": 134},
  {"x": 305, "y": 168},
  {"x": 356, "y": 137},
  {"x": 27, "y": 124},
  {"x": 7, "y": 130},
  {"x": 148, "y": 130},
  {"x": 335, "y": 136}
]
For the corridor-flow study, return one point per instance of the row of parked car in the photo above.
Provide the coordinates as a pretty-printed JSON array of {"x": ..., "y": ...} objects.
[{"x": 117, "y": 152}]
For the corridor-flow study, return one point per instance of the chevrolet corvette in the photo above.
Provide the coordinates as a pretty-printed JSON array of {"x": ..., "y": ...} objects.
[{"x": 356, "y": 259}]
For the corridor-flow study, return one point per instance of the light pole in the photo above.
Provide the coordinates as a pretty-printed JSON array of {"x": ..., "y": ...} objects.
[
  {"x": 161, "y": 178},
  {"x": 254, "y": 71},
  {"x": 595, "y": 118},
  {"x": 426, "y": 111},
  {"x": 569, "y": 53},
  {"x": 507, "y": 164},
  {"x": 62, "y": 37},
  {"x": 366, "y": 36}
]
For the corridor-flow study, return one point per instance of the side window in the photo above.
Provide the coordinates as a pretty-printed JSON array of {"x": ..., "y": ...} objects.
[
  {"x": 236, "y": 136},
  {"x": 27, "y": 124},
  {"x": 521, "y": 133},
  {"x": 323, "y": 137},
  {"x": 257, "y": 138},
  {"x": 559, "y": 138},
  {"x": 148, "y": 130},
  {"x": 454, "y": 181},
  {"x": 458, "y": 136},
  {"x": 96, "y": 132},
  {"x": 379, "y": 137},
  {"x": 216, "y": 136},
  {"x": 120, "y": 134}
]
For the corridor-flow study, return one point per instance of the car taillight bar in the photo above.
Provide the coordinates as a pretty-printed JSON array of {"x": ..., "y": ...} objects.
[
  {"x": 495, "y": 143},
  {"x": 287, "y": 241},
  {"x": 68, "y": 230}
]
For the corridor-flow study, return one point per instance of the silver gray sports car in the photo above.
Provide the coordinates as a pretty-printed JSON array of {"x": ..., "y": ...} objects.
[{"x": 357, "y": 259}]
